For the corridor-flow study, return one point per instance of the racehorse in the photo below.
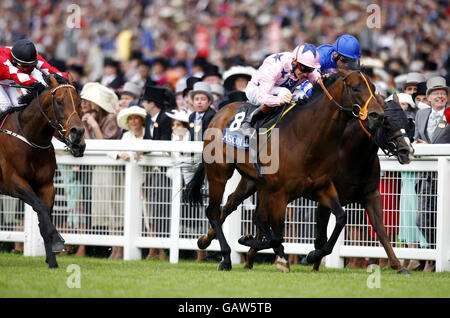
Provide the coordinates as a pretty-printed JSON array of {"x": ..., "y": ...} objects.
[
  {"x": 27, "y": 156},
  {"x": 309, "y": 139},
  {"x": 358, "y": 176}
]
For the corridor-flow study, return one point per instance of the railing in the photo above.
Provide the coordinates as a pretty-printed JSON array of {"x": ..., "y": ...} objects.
[{"x": 102, "y": 201}]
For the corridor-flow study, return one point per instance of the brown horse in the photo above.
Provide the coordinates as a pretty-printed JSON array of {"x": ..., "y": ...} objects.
[
  {"x": 358, "y": 176},
  {"x": 27, "y": 156},
  {"x": 309, "y": 139}
]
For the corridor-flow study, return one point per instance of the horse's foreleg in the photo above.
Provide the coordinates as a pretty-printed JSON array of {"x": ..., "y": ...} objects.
[
  {"x": 244, "y": 189},
  {"x": 323, "y": 216},
  {"x": 329, "y": 198},
  {"x": 374, "y": 207}
]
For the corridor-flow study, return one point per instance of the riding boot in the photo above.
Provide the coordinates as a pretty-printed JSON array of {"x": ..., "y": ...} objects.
[{"x": 247, "y": 128}]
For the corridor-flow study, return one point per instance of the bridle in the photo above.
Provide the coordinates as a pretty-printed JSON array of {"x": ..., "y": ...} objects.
[
  {"x": 356, "y": 110},
  {"x": 63, "y": 131}
]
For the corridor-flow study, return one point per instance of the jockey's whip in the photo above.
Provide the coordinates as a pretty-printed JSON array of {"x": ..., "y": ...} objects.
[{"x": 16, "y": 86}]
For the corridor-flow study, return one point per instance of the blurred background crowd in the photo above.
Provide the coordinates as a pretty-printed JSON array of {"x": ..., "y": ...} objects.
[{"x": 172, "y": 37}]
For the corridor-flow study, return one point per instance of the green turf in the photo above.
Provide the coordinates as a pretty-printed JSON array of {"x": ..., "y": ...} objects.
[{"x": 30, "y": 277}]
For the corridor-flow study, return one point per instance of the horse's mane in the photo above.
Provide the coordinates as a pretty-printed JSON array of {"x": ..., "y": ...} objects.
[
  {"x": 30, "y": 95},
  {"x": 317, "y": 92}
]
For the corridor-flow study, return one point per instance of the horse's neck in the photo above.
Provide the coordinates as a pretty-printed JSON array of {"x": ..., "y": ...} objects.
[
  {"x": 33, "y": 123},
  {"x": 356, "y": 144}
]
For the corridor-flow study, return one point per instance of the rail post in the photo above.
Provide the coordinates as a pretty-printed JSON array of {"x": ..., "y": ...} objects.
[
  {"x": 132, "y": 211},
  {"x": 443, "y": 216}
]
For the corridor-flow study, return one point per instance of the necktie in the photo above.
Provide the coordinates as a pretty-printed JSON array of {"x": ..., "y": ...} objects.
[
  {"x": 432, "y": 123},
  {"x": 198, "y": 127},
  {"x": 152, "y": 124}
]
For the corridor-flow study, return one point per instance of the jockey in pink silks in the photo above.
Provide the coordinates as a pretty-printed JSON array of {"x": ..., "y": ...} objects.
[{"x": 282, "y": 78}]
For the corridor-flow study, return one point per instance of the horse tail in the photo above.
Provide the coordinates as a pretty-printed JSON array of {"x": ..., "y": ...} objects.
[{"x": 194, "y": 187}]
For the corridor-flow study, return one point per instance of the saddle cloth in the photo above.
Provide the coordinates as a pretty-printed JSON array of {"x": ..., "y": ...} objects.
[{"x": 231, "y": 133}]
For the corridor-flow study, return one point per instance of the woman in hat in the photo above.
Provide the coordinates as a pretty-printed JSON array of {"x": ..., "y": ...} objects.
[
  {"x": 99, "y": 104},
  {"x": 132, "y": 120}
]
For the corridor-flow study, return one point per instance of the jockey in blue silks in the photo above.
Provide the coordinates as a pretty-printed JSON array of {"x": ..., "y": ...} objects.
[{"x": 344, "y": 53}]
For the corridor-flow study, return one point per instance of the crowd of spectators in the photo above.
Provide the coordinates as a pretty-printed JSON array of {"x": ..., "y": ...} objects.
[{"x": 212, "y": 47}]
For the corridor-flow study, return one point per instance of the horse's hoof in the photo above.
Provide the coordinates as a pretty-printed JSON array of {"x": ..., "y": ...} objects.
[
  {"x": 403, "y": 272},
  {"x": 58, "y": 247},
  {"x": 314, "y": 256},
  {"x": 248, "y": 266},
  {"x": 282, "y": 266},
  {"x": 53, "y": 265},
  {"x": 244, "y": 240},
  {"x": 200, "y": 243},
  {"x": 224, "y": 266}
]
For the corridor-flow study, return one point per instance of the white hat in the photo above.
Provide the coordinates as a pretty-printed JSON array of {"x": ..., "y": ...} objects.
[
  {"x": 406, "y": 98},
  {"x": 181, "y": 85},
  {"x": 122, "y": 117},
  {"x": 101, "y": 95},
  {"x": 202, "y": 87},
  {"x": 180, "y": 115}
]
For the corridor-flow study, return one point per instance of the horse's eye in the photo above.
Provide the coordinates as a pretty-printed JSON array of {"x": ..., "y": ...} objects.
[
  {"x": 355, "y": 89},
  {"x": 59, "y": 103}
]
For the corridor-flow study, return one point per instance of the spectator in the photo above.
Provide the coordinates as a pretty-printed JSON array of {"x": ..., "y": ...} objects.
[
  {"x": 198, "y": 123},
  {"x": 212, "y": 75},
  {"x": 157, "y": 127},
  {"x": 237, "y": 77},
  {"x": 413, "y": 79},
  {"x": 179, "y": 99},
  {"x": 100, "y": 122},
  {"x": 217, "y": 92},
  {"x": 420, "y": 97},
  {"x": 431, "y": 128},
  {"x": 186, "y": 92},
  {"x": 112, "y": 76}
]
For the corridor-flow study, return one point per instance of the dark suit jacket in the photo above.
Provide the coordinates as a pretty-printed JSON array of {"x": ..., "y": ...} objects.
[
  {"x": 441, "y": 132},
  {"x": 209, "y": 114},
  {"x": 163, "y": 129}
]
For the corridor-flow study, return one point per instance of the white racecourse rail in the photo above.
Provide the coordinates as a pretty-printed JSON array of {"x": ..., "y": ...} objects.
[{"x": 103, "y": 201}]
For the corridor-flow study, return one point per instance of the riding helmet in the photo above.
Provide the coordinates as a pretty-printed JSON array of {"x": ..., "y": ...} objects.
[
  {"x": 24, "y": 52},
  {"x": 347, "y": 45}
]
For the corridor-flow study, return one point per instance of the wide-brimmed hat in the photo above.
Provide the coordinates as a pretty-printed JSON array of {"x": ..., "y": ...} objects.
[
  {"x": 122, "y": 117},
  {"x": 437, "y": 82},
  {"x": 413, "y": 78},
  {"x": 180, "y": 115},
  {"x": 132, "y": 89},
  {"x": 203, "y": 88},
  {"x": 101, "y": 95},
  {"x": 406, "y": 98},
  {"x": 230, "y": 76}
]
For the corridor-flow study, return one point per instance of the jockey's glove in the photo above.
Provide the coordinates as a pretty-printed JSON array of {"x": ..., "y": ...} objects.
[{"x": 38, "y": 86}]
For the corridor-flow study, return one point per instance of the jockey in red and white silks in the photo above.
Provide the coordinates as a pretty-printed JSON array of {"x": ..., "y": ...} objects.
[{"x": 21, "y": 65}]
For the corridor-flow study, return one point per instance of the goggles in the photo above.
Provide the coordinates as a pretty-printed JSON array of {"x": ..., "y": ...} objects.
[
  {"x": 304, "y": 68},
  {"x": 345, "y": 59}
]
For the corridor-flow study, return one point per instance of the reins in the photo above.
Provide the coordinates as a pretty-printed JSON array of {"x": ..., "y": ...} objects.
[{"x": 62, "y": 130}]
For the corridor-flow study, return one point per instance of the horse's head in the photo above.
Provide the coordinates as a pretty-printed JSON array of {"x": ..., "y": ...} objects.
[
  {"x": 64, "y": 115},
  {"x": 392, "y": 137},
  {"x": 359, "y": 92}
]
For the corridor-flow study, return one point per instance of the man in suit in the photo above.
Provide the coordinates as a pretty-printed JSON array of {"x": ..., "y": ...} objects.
[
  {"x": 199, "y": 120},
  {"x": 158, "y": 125},
  {"x": 431, "y": 128}
]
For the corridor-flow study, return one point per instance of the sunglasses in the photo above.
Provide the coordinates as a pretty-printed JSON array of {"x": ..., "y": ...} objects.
[
  {"x": 304, "y": 68},
  {"x": 345, "y": 59}
]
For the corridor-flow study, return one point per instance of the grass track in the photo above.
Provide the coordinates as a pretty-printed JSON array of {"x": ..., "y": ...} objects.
[{"x": 30, "y": 277}]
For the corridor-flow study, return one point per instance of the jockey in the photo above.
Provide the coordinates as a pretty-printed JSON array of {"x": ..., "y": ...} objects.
[
  {"x": 282, "y": 78},
  {"x": 344, "y": 53},
  {"x": 21, "y": 64}
]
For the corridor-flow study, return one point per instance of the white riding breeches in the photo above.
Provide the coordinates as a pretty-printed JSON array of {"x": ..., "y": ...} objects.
[{"x": 9, "y": 96}]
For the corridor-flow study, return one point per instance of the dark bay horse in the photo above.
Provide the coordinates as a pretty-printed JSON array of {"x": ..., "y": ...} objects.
[
  {"x": 309, "y": 139},
  {"x": 27, "y": 156},
  {"x": 358, "y": 177}
]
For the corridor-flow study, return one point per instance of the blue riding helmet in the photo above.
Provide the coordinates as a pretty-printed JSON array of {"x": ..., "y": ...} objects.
[{"x": 347, "y": 45}]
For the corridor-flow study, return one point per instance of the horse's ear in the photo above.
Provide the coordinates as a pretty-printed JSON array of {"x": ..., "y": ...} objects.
[
  {"x": 53, "y": 81},
  {"x": 395, "y": 98},
  {"x": 70, "y": 78}
]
